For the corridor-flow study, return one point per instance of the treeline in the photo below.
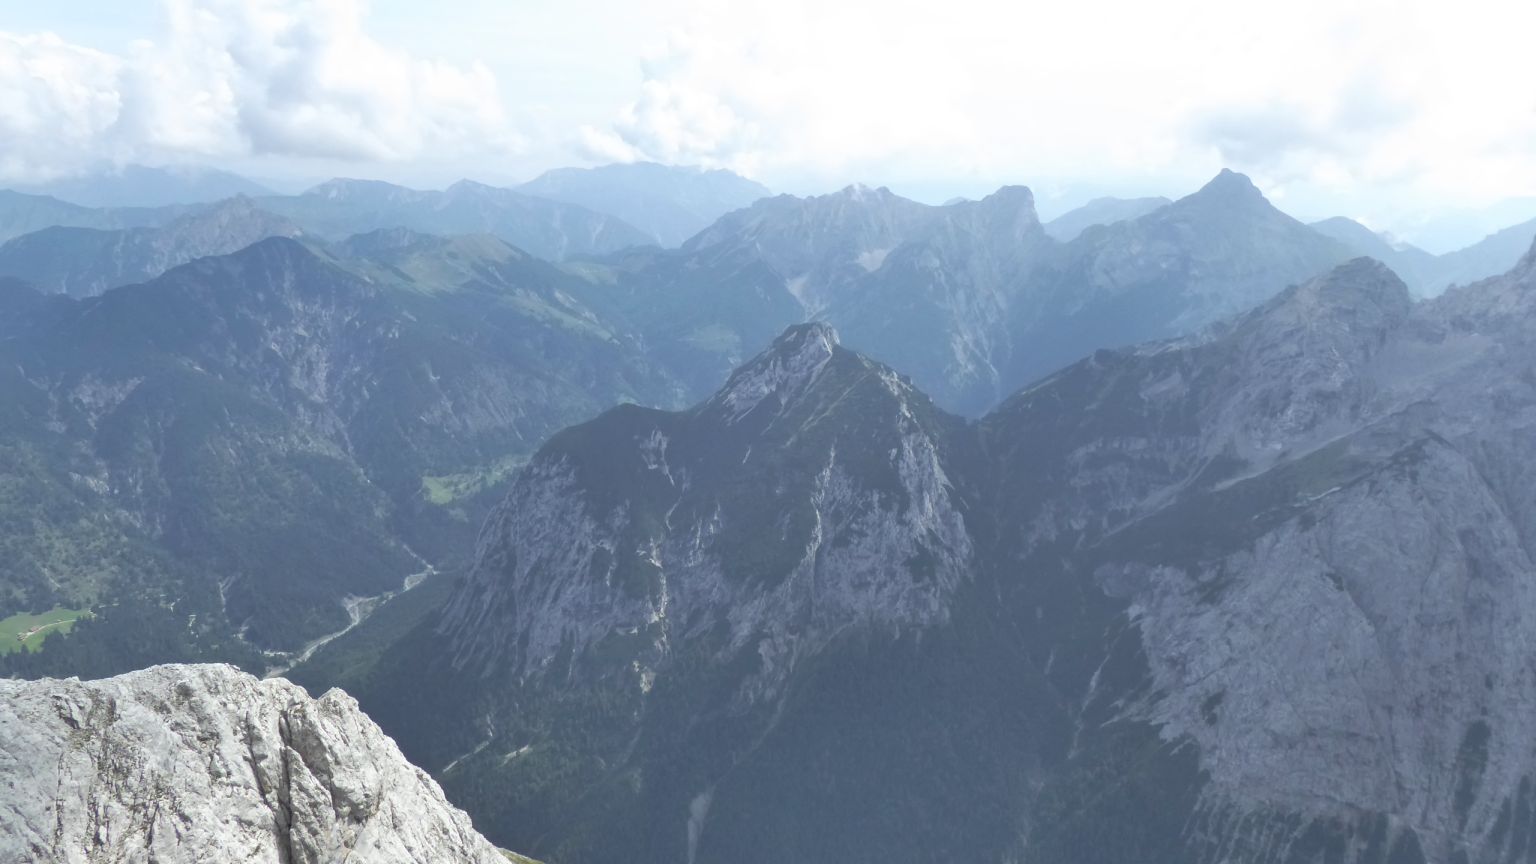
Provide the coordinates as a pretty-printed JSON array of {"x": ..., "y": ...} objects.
[{"x": 132, "y": 633}]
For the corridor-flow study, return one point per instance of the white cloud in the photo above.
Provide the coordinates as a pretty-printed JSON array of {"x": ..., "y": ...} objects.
[
  {"x": 1396, "y": 100},
  {"x": 57, "y": 99},
  {"x": 231, "y": 78},
  {"x": 1370, "y": 108}
]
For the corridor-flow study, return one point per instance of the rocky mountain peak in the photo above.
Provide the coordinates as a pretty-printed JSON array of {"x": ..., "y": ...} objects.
[
  {"x": 1303, "y": 359},
  {"x": 805, "y": 498},
  {"x": 814, "y": 335},
  {"x": 1230, "y": 186},
  {"x": 789, "y": 365},
  {"x": 468, "y": 187},
  {"x": 1011, "y": 205},
  {"x": 1226, "y": 195},
  {"x": 276, "y": 269},
  {"x": 206, "y": 763},
  {"x": 233, "y": 219},
  {"x": 386, "y": 240},
  {"x": 1361, "y": 288},
  {"x": 861, "y": 192}
]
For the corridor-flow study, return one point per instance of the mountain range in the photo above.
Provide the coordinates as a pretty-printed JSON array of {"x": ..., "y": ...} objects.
[
  {"x": 547, "y": 229},
  {"x": 1101, "y": 211},
  {"x": 21, "y": 213},
  {"x": 1426, "y": 274},
  {"x": 948, "y": 568},
  {"x": 668, "y": 203},
  {"x": 83, "y": 262},
  {"x": 148, "y": 186},
  {"x": 973, "y": 299},
  {"x": 561, "y": 214},
  {"x": 577, "y": 213},
  {"x": 244, "y": 443},
  {"x": 1255, "y": 594},
  {"x": 317, "y": 421}
]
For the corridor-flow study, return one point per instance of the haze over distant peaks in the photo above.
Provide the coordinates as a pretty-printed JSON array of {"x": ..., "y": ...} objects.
[
  {"x": 145, "y": 186},
  {"x": 86, "y": 261},
  {"x": 1101, "y": 211},
  {"x": 1427, "y": 274},
  {"x": 669, "y": 202},
  {"x": 553, "y": 230}
]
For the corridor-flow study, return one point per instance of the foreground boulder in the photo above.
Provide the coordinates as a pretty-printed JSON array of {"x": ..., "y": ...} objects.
[{"x": 206, "y": 763}]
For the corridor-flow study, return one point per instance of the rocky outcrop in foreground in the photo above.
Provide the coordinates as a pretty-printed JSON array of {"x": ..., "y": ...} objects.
[{"x": 206, "y": 763}]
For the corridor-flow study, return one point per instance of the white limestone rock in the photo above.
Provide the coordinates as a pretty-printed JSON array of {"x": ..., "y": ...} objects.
[{"x": 206, "y": 763}]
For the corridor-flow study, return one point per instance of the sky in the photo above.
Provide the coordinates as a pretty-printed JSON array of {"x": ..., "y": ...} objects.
[{"x": 1395, "y": 113}]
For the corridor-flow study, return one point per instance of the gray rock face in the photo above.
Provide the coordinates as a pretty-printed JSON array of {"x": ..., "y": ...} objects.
[
  {"x": 1341, "y": 624},
  {"x": 652, "y": 547},
  {"x": 1263, "y": 595},
  {"x": 205, "y": 763}
]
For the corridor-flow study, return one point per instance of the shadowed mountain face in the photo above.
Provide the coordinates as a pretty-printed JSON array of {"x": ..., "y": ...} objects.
[
  {"x": 668, "y": 203},
  {"x": 260, "y": 435},
  {"x": 86, "y": 261},
  {"x": 1255, "y": 595}
]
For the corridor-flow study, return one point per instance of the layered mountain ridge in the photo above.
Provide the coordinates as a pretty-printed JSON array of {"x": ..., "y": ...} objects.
[
  {"x": 669, "y": 203},
  {"x": 83, "y": 262},
  {"x": 973, "y": 299},
  {"x": 307, "y": 425},
  {"x": 551, "y": 230},
  {"x": 1252, "y": 595}
]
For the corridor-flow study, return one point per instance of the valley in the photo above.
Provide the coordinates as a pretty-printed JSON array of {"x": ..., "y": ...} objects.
[
  {"x": 25, "y": 632},
  {"x": 625, "y": 548}
]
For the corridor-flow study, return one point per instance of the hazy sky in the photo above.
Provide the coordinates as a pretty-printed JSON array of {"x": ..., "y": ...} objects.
[{"x": 1386, "y": 111}]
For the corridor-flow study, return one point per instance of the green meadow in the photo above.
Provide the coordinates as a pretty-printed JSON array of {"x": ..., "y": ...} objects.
[{"x": 27, "y": 631}]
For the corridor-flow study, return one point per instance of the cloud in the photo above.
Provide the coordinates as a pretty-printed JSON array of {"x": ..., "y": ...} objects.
[
  {"x": 1387, "y": 100},
  {"x": 1329, "y": 135},
  {"x": 763, "y": 87},
  {"x": 231, "y": 78},
  {"x": 57, "y": 98},
  {"x": 676, "y": 123},
  {"x": 682, "y": 114}
]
